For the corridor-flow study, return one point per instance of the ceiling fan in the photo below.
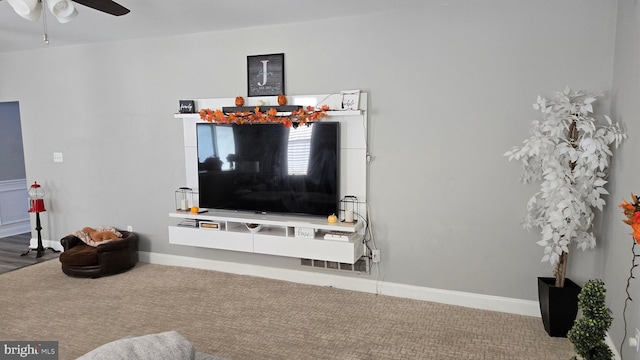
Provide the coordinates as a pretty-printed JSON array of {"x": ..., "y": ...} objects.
[
  {"x": 63, "y": 10},
  {"x": 106, "y": 6}
]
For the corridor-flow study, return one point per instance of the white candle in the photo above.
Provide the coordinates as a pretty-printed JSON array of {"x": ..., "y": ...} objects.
[
  {"x": 348, "y": 216},
  {"x": 184, "y": 204}
]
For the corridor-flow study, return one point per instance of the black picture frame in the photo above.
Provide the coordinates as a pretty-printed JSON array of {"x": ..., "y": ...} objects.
[
  {"x": 187, "y": 106},
  {"x": 265, "y": 75}
]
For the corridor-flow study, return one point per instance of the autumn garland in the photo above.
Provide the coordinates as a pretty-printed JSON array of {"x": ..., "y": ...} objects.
[
  {"x": 632, "y": 212},
  {"x": 297, "y": 117}
]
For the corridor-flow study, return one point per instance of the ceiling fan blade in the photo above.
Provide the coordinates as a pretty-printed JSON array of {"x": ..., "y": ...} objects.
[{"x": 106, "y": 6}]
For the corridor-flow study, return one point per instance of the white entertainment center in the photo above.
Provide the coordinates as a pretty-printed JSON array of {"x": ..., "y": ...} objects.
[{"x": 297, "y": 236}]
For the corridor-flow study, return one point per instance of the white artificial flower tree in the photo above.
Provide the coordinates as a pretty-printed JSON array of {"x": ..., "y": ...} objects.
[{"x": 569, "y": 153}]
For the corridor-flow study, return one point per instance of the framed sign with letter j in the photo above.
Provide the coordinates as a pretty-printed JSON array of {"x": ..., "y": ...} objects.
[{"x": 265, "y": 75}]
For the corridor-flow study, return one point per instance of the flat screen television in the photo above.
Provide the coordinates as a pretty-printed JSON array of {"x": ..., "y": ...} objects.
[{"x": 269, "y": 168}]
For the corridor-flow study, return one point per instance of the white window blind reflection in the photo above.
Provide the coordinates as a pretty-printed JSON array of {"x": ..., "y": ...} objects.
[
  {"x": 226, "y": 145},
  {"x": 205, "y": 136},
  {"x": 298, "y": 150}
]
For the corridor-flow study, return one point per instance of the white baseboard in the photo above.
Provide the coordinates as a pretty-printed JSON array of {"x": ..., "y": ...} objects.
[
  {"x": 471, "y": 300},
  {"x": 465, "y": 299},
  {"x": 15, "y": 228}
]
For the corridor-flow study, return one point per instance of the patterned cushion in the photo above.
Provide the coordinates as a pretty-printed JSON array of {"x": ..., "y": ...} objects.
[{"x": 87, "y": 239}]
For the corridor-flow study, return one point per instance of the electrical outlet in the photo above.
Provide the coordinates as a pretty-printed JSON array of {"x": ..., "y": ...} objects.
[
  {"x": 57, "y": 157},
  {"x": 375, "y": 255},
  {"x": 129, "y": 228},
  {"x": 635, "y": 341}
]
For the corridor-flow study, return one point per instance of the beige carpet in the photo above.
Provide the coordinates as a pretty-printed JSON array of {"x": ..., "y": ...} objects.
[{"x": 243, "y": 317}]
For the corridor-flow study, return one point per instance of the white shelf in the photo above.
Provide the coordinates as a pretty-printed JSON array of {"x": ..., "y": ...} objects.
[
  {"x": 315, "y": 222},
  {"x": 276, "y": 237},
  {"x": 345, "y": 112},
  {"x": 187, "y": 116}
]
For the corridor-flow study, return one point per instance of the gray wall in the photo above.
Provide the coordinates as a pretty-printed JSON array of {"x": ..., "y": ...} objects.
[
  {"x": 450, "y": 90},
  {"x": 11, "y": 153},
  {"x": 617, "y": 242}
]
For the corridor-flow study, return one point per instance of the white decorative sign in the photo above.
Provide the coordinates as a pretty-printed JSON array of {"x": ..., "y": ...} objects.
[
  {"x": 350, "y": 99},
  {"x": 306, "y": 233}
]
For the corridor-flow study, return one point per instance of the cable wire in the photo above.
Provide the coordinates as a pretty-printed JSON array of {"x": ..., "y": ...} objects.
[{"x": 626, "y": 301}]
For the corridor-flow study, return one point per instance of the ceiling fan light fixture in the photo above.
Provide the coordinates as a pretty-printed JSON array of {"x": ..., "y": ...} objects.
[
  {"x": 23, "y": 6},
  {"x": 60, "y": 8},
  {"x": 66, "y": 19},
  {"x": 28, "y": 9}
]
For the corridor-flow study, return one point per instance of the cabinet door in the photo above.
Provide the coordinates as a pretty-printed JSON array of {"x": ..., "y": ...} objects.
[
  {"x": 318, "y": 249},
  {"x": 215, "y": 239}
]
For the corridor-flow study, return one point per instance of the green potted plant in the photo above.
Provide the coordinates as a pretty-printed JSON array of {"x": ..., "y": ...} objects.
[
  {"x": 588, "y": 333},
  {"x": 568, "y": 152}
]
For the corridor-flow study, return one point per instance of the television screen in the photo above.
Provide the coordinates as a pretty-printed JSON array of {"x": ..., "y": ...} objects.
[{"x": 269, "y": 168}]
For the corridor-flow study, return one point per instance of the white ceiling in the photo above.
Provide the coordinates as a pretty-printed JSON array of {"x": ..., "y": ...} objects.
[{"x": 157, "y": 18}]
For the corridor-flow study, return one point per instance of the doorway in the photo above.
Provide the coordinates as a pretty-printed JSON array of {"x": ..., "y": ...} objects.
[{"x": 14, "y": 218}]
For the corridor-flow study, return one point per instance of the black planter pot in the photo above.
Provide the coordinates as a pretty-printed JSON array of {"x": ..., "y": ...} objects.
[{"x": 558, "y": 306}]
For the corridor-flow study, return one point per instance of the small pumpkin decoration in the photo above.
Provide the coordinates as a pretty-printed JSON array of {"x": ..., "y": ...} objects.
[
  {"x": 239, "y": 101},
  {"x": 332, "y": 219},
  {"x": 282, "y": 100}
]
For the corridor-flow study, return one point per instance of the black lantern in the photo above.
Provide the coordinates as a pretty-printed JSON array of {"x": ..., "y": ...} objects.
[
  {"x": 349, "y": 209},
  {"x": 184, "y": 199}
]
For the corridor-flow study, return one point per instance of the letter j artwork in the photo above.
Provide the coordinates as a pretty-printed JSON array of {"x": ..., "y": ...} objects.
[{"x": 265, "y": 75}]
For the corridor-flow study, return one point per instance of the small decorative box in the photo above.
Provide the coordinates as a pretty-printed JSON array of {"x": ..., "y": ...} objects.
[{"x": 306, "y": 233}]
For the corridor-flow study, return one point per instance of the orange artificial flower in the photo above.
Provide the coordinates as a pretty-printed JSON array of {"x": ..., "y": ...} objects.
[
  {"x": 636, "y": 232},
  {"x": 632, "y": 212}
]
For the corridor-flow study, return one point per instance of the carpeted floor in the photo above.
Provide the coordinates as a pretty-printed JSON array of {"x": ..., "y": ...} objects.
[{"x": 243, "y": 317}]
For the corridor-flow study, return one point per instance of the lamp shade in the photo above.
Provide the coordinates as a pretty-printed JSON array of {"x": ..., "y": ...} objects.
[
  {"x": 36, "y": 194},
  {"x": 28, "y": 9},
  {"x": 60, "y": 8},
  {"x": 23, "y": 6},
  {"x": 64, "y": 20}
]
